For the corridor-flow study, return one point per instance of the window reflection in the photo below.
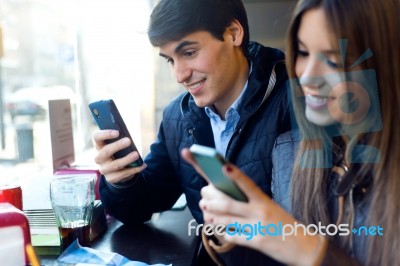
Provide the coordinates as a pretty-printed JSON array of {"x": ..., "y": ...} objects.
[
  {"x": 88, "y": 50},
  {"x": 82, "y": 50}
]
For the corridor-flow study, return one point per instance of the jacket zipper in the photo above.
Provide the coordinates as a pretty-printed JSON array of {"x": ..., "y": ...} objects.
[
  {"x": 191, "y": 132},
  {"x": 271, "y": 85}
]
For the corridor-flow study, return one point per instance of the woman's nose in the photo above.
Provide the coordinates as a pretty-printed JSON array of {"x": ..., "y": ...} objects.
[
  {"x": 312, "y": 68},
  {"x": 311, "y": 73}
]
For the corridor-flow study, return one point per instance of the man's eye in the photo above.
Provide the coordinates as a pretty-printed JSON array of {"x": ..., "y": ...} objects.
[
  {"x": 189, "y": 53},
  {"x": 170, "y": 60}
]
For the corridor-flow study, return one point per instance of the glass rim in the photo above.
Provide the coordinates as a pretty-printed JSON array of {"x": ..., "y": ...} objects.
[{"x": 79, "y": 178}]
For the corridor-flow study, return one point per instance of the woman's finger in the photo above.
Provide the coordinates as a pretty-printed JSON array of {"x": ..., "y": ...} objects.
[
  {"x": 245, "y": 183},
  {"x": 218, "y": 203}
]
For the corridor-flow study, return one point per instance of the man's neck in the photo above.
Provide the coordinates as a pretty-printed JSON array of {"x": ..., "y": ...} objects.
[{"x": 221, "y": 107}]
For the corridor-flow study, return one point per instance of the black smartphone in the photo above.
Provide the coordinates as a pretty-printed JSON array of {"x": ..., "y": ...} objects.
[
  {"x": 211, "y": 162},
  {"x": 107, "y": 116}
]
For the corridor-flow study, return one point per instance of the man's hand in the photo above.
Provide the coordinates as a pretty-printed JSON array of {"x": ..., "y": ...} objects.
[{"x": 114, "y": 171}]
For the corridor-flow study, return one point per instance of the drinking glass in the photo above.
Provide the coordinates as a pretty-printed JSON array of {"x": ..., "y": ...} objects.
[{"x": 72, "y": 198}]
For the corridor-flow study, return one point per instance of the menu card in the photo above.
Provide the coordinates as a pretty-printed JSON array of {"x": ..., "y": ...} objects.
[{"x": 62, "y": 141}]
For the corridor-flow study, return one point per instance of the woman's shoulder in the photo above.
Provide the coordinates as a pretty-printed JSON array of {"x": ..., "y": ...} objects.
[
  {"x": 286, "y": 143},
  {"x": 291, "y": 136}
]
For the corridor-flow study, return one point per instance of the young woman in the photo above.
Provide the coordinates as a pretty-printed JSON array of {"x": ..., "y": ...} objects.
[{"x": 343, "y": 58}]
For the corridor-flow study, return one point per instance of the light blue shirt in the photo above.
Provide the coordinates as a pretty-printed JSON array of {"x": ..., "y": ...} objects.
[{"x": 224, "y": 129}]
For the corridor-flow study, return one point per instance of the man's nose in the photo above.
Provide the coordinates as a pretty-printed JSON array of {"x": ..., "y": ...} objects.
[{"x": 182, "y": 72}]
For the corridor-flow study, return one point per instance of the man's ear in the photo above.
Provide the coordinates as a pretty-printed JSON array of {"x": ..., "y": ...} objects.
[{"x": 236, "y": 32}]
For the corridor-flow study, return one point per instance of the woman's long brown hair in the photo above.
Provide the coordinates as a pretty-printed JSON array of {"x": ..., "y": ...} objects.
[{"x": 366, "y": 24}]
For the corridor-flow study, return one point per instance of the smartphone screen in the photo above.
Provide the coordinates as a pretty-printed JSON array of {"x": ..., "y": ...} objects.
[
  {"x": 211, "y": 162},
  {"x": 107, "y": 116}
]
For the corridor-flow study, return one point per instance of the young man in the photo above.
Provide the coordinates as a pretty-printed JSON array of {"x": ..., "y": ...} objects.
[{"x": 236, "y": 101}]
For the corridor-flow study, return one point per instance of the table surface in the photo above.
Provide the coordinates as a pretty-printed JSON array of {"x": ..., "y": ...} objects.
[{"x": 164, "y": 239}]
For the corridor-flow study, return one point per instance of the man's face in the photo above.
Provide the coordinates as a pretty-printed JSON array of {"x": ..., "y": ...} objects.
[{"x": 210, "y": 69}]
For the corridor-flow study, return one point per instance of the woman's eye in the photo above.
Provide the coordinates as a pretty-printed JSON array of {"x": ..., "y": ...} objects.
[
  {"x": 330, "y": 61},
  {"x": 302, "y": 53},
  {"x": 170, "y": 60},
  {"x": 332, "y": 64}
]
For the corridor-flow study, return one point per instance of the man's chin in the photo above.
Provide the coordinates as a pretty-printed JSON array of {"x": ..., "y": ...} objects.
[{"x": 200, "y": 103}]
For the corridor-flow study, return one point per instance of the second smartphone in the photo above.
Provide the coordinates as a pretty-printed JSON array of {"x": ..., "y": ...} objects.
[
  {"x": 211, "y": 162},
  {"x": 107, "y": 116}
]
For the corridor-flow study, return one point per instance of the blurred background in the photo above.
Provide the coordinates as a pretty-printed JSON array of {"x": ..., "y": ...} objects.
[{"x": 89, "y": 50}]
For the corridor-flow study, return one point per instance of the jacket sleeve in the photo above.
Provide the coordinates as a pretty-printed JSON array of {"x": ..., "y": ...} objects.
[
  {"x": 283, "y": 159},
  {"x": 155, "y": 189}
]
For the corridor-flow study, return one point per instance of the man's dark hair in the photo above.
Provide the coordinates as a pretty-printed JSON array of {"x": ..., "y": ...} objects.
[{"x": 171, "y": 20}]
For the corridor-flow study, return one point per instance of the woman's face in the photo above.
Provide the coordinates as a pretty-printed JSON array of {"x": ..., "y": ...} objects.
[{"x": 326, "y": 98}]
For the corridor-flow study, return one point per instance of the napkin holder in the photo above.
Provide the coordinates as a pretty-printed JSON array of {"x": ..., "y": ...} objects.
[{"x": 14, "y": 235}]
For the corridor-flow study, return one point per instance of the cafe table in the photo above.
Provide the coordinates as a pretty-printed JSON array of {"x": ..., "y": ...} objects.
[{"x": 164, "y": 239}]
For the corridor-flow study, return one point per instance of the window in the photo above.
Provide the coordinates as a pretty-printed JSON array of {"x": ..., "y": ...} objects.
[
  {"x": 88, "y": 50},
  {"x": 81, "y": 50}
]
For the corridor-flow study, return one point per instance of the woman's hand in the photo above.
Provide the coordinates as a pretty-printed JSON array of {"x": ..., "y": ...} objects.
[{"x": 257, "y": 223}]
